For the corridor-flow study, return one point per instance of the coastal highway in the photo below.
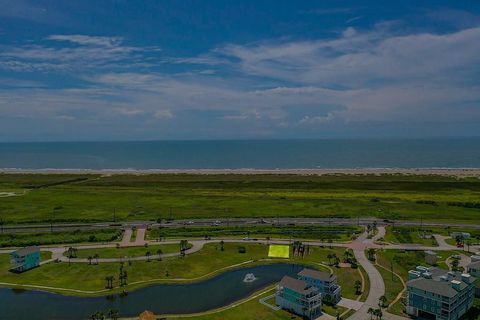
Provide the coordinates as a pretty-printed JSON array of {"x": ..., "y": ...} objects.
[{"x": 47, "y": 227}]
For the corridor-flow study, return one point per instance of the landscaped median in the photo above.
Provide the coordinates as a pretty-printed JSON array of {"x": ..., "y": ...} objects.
[{"x": 123, "y": 252}]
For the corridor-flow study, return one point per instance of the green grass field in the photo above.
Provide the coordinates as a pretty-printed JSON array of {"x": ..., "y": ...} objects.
[
  {"x": 408, "y": 235},
  {"x": 47, "y": 238},
  {"x": 128, "y": 251},
  {"x": 150, "y": 197}
]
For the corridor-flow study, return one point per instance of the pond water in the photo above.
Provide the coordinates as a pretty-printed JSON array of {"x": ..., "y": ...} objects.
[{"x": 160, "y": 298}]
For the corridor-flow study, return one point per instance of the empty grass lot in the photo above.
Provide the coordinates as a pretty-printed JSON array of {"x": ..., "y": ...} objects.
[
  {"x": 150, "y": 197},
  {"x": 127, "y": 251}
]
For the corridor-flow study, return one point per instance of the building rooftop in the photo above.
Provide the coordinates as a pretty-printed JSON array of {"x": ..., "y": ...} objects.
[
  {"x": 440, "y": 282},
  {"x": 442, "y": 288},
  {"x": 296, "y": 285},
  {"x": 475, "y": 265},
  {"x": 27, "y": 250},
  {"x": 320, "y": 275}
]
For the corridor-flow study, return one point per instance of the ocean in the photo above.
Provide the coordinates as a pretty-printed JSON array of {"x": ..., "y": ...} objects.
[{"x": 244, "y": 154}]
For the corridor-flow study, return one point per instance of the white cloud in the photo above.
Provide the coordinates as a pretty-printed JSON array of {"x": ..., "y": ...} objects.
[
  {"x": 163, "y": 114},
  {"x": 87, "y": 40},
  {"x": 355, "y": 77}
]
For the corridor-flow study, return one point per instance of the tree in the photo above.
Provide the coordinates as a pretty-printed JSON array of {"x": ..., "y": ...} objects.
[
  {"x": 370, "y": 312},
  {"x": 455, "y": 264},
  {"x": 382, "y": 301},
  {"x": 371, "y": 254},
  {"x": 148, "y": 254},
  {"x": 113, "y": 314},
  {"x": 222, "y": 245},
  {"x": 347, "y": 255},
  {"x": 96, "y": 256},
  {"x": 159, "y": 254},
  {"x": 330, "y": 257},
  {"x": 109, "y": 280},
  {"x": 357, "y": 285},
  {"x": 90, "y": 258},
  {"x": 97, "y": 316}
]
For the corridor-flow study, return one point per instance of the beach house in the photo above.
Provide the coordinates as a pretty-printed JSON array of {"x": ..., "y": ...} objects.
[
  {"x": 325, "y": 282},
  {"x": 474, "y": 269},
  {"x": 439, "y": 294},
  {"x": 25, "y": 259},
  {"x": 298, "y": 297}
]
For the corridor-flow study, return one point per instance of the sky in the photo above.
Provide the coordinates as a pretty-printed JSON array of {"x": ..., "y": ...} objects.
[{"x": 84, "y": 70}]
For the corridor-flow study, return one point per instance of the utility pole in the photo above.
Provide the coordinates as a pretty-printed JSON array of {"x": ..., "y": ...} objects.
[
  {"x": 391, "y": 269},
  {"x": 51, "y": 221}
]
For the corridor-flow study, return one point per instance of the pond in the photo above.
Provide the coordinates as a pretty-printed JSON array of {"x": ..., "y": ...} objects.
[{"x": 213, "y": 293}]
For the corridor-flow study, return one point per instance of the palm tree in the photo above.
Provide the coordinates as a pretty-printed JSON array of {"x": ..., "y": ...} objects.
[
  {"x": 148, "y": 254},
  {"x": 90, "y": 258},
  {"x": 125, "y": 276},
  {"x": 455, "y": 264},
  {"x": 382, "y": 301},
  {"x": 370, "y": 312},
  {"x": 357, "y": 285},
  {"x": 113, "y": 314},
  {"x": 96, "y": 256},
  {"x": 159, "y": 254},
  {"x": 347, "y": 255},
  {"x": 329, "y": 257}
]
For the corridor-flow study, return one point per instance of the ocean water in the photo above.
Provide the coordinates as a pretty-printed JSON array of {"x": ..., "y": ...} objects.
[{"x": 245, "y": 154}]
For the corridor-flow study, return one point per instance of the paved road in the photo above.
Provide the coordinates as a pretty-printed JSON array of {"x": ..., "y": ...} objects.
[
  {"x": 127, "y": 235},
  {"x": 224, "y": 221}
]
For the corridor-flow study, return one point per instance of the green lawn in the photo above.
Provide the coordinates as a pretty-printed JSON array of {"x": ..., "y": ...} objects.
[
  {"x": 249, "y": 310},
  {"x": 128, "y": 251},
  {"x": 77, "y": 236},
  {"x": 150, "y": 197},
  {"x": 408, "y": 235}
]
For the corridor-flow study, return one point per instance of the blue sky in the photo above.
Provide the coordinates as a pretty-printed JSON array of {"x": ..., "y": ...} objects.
[{"x": 145, "y": 70}]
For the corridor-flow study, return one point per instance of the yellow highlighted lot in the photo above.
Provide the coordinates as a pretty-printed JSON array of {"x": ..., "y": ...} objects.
[{"x": 279, "y": 251}]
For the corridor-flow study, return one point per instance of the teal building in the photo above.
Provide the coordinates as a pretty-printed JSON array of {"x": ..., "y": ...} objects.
[
  {"x": 299, "y": 297},
  {"x": 25, "y": 259},
  {"x": 439, "y": 294}
]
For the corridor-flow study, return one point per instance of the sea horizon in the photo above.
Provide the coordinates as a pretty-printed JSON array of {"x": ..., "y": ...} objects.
[{"x": 278, "y": 154}]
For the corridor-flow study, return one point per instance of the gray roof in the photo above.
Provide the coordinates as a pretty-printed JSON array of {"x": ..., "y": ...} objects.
[
  {"x": 320, "y": 275},
  {"x": 474, "y": 265},
  {"x": 437, "y": 285},
  {"x": 296, "y": 285},
  {"x": 27, "y": 250},
  {"x": 442, "y": 288}
]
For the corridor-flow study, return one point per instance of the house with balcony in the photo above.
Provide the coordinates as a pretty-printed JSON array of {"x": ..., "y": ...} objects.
[
  {"x": 474, "y": 269},
  {"x": 25, "y": 259},
  {"x": 298, "y": 297},
  {"x": 438, "y": 294},
  {"x": 325, "y": 282}
]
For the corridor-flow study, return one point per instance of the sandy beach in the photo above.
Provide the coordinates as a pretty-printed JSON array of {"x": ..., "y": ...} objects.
[{"x": 455, "y": 172}]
